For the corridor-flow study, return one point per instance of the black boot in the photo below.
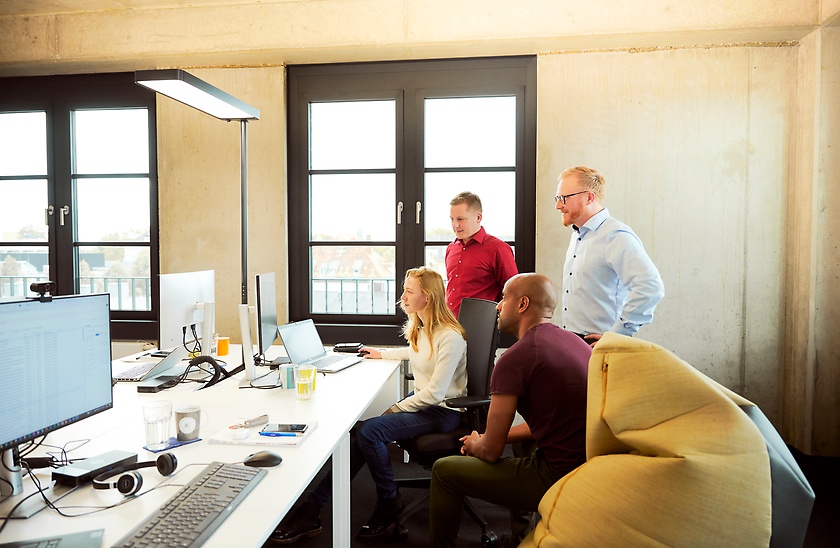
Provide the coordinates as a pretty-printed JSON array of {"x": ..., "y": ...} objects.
[
  {"x": 305, "y": 520},
  {"x": 383, "y": 520}
]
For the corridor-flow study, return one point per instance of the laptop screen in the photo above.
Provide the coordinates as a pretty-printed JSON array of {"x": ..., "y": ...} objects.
[{"x": 301, "y": 340}]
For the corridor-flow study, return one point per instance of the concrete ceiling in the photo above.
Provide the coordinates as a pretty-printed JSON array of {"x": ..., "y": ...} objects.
[{"x": 50, "y": 7}]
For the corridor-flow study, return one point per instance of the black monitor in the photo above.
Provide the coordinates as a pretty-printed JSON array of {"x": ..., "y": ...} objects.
[
  {"x": 55, "y": 358},
  {"x": 266, "y": 313}
]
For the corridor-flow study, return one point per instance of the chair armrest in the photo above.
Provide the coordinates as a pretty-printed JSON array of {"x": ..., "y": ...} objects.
[{"x": 468, "y": 402}]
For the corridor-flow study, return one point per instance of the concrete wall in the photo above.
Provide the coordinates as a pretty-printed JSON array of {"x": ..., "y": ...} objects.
[
  {"x": 716, "y": 124},
  {"x": 199, "y": 179},
  {"x": 694, "y": 146},
  {"x": 826, "y": 378}
]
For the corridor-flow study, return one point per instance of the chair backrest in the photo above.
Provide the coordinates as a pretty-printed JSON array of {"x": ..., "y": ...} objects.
[{"x": 478, "y": 317}]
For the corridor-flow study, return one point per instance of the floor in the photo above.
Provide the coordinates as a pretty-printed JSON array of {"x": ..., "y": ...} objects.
[{"x": 822, "y": 472}]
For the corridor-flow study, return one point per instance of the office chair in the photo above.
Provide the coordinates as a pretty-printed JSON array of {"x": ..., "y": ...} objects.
[{"x": 478, "y": 317}]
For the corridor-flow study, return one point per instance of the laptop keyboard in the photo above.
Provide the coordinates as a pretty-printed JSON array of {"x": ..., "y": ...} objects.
[
  {"x": 327, "y": 360},
  {"x": 136, "y": 372}
]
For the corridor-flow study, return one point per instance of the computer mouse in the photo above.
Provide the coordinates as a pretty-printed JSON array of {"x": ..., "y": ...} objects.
[{"x": 263, "y": 459}]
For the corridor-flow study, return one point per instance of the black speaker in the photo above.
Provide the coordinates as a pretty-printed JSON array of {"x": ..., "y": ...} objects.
[{"x": 131, "y": 481}]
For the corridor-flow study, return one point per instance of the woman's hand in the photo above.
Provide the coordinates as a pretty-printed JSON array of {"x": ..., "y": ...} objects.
[{"x": 371, "y": 353}]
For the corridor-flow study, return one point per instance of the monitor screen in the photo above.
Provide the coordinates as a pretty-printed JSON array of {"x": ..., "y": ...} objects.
[
  {"x": 55, "y": 358},
  {"x": 180, "y": 297},
  {"x": 266, "y": 311}
]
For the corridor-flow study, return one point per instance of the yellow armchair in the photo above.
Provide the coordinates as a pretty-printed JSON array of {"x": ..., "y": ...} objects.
[{"x": 673, "y": 459}]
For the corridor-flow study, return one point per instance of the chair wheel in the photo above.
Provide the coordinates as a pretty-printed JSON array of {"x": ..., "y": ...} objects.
[
  {"x": 490, "y": 540},
  {"x": 400, "y": 533}
]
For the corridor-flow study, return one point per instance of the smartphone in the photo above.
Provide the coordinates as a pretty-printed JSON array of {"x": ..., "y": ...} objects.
[{"x": 275, "y": 429}]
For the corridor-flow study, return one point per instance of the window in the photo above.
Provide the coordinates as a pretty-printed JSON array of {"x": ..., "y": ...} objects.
[
  {"x": 376, "y": 153},
  {"x": 78, "y": 169}
]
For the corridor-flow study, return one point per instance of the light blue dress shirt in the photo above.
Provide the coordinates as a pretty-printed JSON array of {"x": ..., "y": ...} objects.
[{"x": 609, "y": 282}]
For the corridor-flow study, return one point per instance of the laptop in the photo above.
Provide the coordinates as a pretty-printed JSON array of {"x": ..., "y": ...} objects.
[
  {"x": 149, "y": 369},
  {"x": 304, "y": 347}
]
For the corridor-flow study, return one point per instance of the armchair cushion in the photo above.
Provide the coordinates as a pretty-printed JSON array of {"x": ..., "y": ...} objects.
[{"x": 672, "y": 460}]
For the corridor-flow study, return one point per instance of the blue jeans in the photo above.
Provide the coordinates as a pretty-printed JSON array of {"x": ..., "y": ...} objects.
[{"x": 369, "y": 444}]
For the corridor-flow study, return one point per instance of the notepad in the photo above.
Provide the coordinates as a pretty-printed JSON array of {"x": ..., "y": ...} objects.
[{"x": 232, "y": 436}]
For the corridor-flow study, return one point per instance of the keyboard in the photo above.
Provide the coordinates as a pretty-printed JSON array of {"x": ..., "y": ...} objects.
[
  {"x": 137, "y": 372},
  {"x": 84, "y": 539},
  {"x": 197, "y": 510},
  {"x": 328, "y": 360}
]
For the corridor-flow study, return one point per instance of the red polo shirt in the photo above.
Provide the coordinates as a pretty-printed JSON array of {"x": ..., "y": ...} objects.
[{"x": 478, "y": 269}]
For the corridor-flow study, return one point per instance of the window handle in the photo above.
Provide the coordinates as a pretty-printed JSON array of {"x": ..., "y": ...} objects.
[
  {"x": 399, "y": 212},
  {"x": 62, "y": 212},
  {"x": 417, "y": 207},
  {"x": 47, "y": 212}
]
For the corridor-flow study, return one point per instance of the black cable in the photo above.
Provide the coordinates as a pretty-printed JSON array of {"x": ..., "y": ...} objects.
[{"x": 277, "y": 384}]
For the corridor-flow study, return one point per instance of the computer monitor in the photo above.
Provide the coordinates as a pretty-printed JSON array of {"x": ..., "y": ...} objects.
[
  {"x": 55, "y": 358},
  {"x": 186, "y": 309},
  {"x": 266, "y": 311}
]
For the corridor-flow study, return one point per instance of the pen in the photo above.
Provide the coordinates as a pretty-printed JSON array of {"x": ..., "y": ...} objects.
[
  {"x": 278, "y": 434},
  {"x": 142, "y": 356}
]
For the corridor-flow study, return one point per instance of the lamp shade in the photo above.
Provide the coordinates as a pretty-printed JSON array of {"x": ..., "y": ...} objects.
[{"x": 186, "y": 88}]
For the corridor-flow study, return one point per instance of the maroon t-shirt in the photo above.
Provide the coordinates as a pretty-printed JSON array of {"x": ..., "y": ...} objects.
[{"x": 547, "y": 370}]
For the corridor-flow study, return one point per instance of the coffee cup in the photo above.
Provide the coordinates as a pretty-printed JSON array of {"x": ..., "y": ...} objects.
[
  {"x": 188, "y": 421},
  {"x": 223, "y": 346}
]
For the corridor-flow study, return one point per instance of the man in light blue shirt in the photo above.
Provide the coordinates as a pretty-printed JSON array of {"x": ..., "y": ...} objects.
[{"x": 609, "y": 282}]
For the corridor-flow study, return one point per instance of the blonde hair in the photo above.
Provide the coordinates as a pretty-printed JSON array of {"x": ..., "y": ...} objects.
[
  {"x": 472, "y": 201},
  {"x": 439, "y": 315},
  {"x": 589, "y": 178}
]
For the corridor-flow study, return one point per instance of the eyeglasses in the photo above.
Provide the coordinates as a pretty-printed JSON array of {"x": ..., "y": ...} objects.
[{"x": 562, "y": 199}]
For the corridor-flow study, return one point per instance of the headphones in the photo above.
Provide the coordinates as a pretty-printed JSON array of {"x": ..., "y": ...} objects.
[
  {"x": 217, "y": 369},
  {"x": 131, "y": 481}
]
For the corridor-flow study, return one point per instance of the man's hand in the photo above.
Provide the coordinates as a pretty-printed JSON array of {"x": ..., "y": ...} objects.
[
  {"x": 468, "y": 442},
  {"x": 592, "y": 338}
]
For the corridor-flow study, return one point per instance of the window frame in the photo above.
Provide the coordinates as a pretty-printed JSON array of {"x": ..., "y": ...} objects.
[
  {"x": 409, "y": 82},
  {"x": 58, "y": 96}
]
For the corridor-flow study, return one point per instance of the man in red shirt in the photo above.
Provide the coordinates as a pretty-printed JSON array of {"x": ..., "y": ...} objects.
[{"x": 477, "y": 264}]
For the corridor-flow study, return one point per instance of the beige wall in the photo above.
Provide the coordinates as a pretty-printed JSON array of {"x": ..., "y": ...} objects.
[
  {"x": 714, "y": 122},
  {"x": 199, "y": 178}
]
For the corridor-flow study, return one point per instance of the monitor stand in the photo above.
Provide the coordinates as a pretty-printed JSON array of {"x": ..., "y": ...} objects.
[
  {"x": 11, "y": 480},
  {"x": 247, "y": 346}
]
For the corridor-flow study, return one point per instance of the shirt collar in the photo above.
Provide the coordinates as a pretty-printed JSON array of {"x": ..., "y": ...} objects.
[
  {"x": 595, "y": 221},
  {"x": 478, "y": 236}
]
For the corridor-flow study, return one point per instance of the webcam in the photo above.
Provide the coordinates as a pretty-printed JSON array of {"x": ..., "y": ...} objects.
[{"x": 42, "y": 288}]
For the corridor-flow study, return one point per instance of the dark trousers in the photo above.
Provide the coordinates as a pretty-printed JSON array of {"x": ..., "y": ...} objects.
[{"x": 517, "y": 483}]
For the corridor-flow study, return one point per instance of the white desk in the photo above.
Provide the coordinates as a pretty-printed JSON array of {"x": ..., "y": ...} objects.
[{"x": 339, "y": 401}]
